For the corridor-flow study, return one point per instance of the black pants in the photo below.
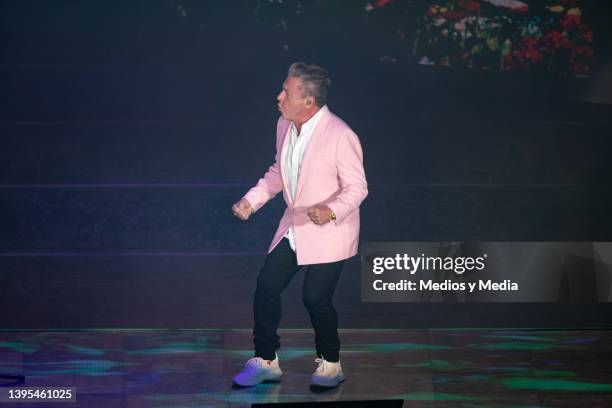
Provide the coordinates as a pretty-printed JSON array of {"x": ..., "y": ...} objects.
[{"x": 317, "y": 291}]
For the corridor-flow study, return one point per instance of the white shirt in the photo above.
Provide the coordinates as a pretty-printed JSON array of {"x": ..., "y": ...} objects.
[{"x": 294, "y": 154}]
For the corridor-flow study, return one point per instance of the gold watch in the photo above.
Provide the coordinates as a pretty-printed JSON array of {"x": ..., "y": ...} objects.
[{"x": 332, "y": 217}]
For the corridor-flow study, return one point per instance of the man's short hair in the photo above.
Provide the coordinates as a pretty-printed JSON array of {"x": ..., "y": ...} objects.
[{"x": 315, "y": 80}]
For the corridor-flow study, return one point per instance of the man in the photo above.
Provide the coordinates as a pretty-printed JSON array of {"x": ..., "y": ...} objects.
[{"x": 319, "y": 168}]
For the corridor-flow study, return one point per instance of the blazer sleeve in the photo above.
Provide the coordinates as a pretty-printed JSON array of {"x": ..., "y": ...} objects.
[
  {"x": 351, "y": 175},
  {"x": 271, "y": 183}
]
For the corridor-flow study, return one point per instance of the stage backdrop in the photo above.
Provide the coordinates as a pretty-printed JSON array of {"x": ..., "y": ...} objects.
[{"x": 129, "y": 129}]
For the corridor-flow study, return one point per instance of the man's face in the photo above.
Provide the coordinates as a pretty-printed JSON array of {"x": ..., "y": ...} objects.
[{"x": 291, "y": 103}]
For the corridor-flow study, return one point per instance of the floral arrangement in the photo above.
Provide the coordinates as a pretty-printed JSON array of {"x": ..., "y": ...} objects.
[{"x": 508, "y": 35}]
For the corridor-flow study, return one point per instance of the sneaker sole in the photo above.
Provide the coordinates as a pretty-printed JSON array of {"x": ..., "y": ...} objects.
[
  {"x": 330, "y": 385},
  {"x": 259, "y": 381}
]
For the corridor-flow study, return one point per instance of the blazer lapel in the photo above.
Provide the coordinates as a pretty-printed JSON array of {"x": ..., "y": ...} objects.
[
  {"x": 282, "y": 163},
  {"x": 314, "y": 146}
]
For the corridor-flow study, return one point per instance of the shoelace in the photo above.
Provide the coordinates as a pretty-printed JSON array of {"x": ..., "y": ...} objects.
[{"x": 322, "y": 366}]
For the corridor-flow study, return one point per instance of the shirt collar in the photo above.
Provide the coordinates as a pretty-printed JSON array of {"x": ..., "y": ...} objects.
[{"x": 310, "y": 124}]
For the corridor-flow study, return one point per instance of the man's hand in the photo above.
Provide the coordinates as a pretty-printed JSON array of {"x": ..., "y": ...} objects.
[
  {"x": 319, "y": 214},
  {"x": 242, "y": 209}
]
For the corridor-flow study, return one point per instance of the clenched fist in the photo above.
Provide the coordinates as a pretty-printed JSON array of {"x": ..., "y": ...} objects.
[
  {"x": 242, "y": 209},
  {"x": 319, "y": 214}
]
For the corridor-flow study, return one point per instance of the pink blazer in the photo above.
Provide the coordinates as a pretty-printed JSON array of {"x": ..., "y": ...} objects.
[{"x": 331, "y": 174}]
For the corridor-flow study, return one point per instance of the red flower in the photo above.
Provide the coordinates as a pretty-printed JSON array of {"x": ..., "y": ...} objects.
[
  {"x": 530, "y": 41},
  {"x": 555, "y": 39},
  {"x": 533, "y": 54},
  {"x": 570, "y": 21},
  {"x": 567, "y": 44}
]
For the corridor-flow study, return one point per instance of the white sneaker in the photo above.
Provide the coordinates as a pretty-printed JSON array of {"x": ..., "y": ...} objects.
[
  {"x": 327, "y": 374},
  {"x": 257, "y": 370}
]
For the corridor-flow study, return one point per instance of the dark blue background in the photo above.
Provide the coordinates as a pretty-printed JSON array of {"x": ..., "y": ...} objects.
[{"x": 129, "y": 128}]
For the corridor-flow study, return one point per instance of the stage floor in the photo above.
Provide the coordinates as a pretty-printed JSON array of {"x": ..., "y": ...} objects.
[{"x": 428, "y": 368}]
